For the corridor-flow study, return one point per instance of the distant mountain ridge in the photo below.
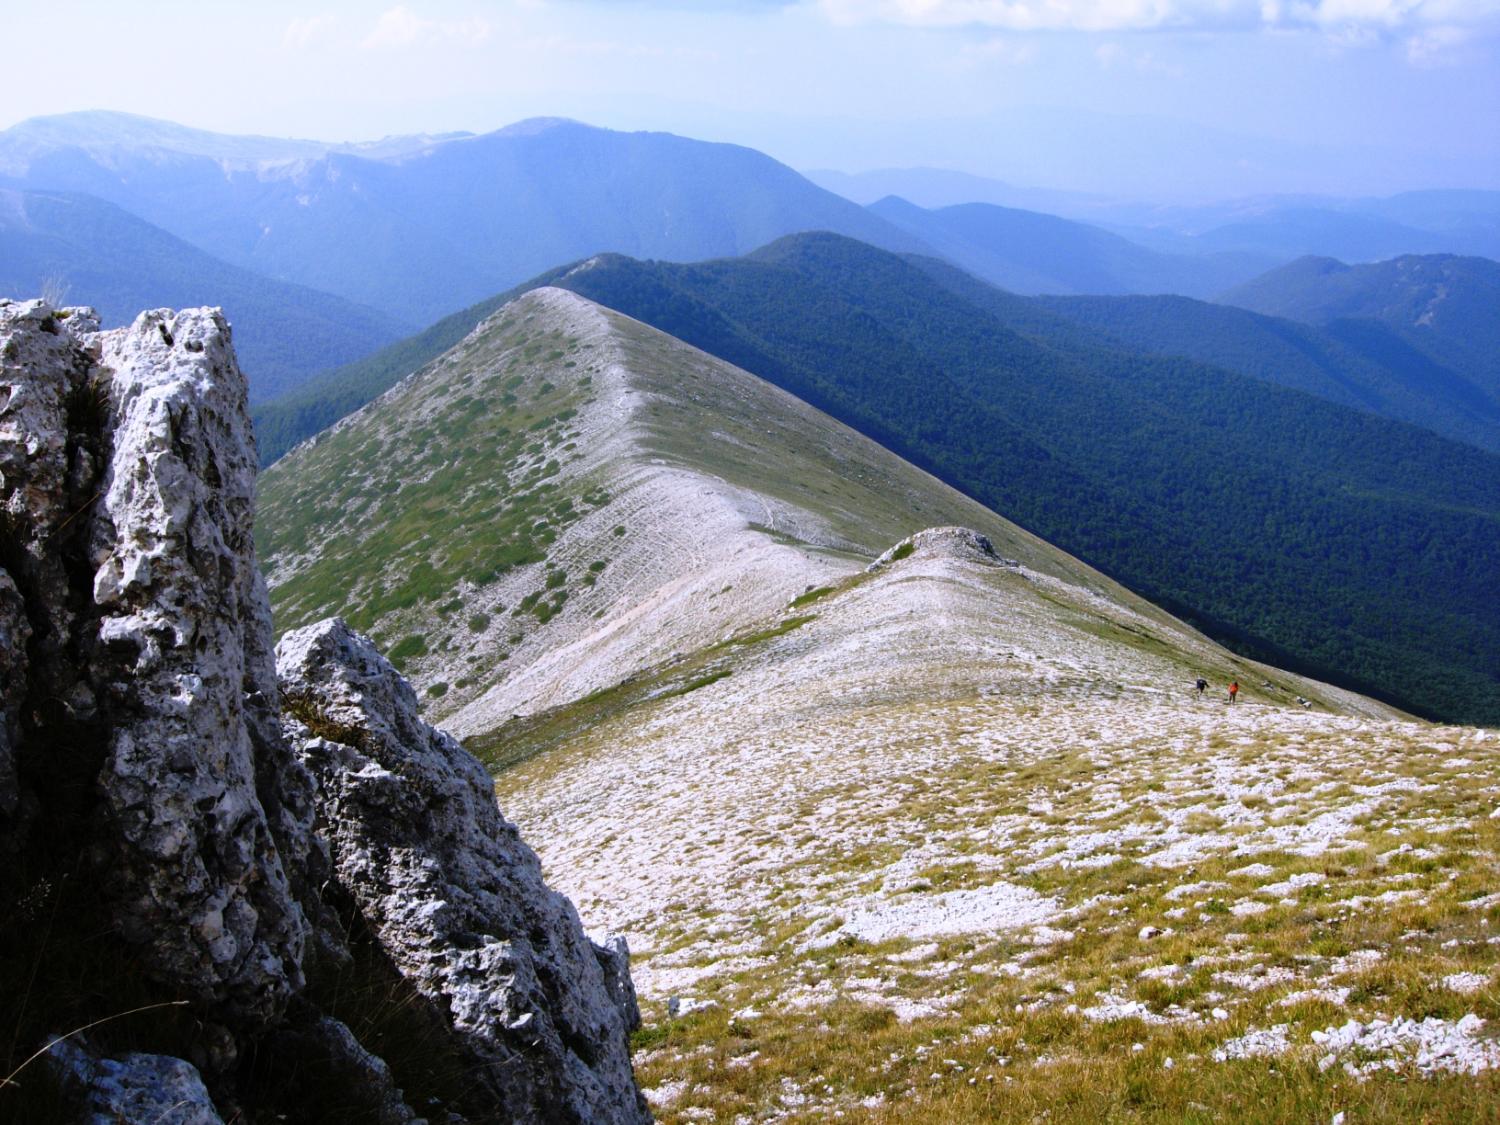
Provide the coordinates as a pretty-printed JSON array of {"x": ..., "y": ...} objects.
[
  {"x": 1280, "y": 227},
  {"x": 1308, "y": 532},
  {"x": 1314, "y": 535},
  {"x": 1033, "y": 253},
  {"x": 608, "y": 505},
  {"x": 1443, "y": 305},
  {"x": 419, "y": 227},
  {"x": 96, "y": 254}
]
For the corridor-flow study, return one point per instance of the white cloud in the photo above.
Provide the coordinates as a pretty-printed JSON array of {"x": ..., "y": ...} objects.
[
  {"x": 1374, "y": 16},
  {"x": 1009, "y": 51},
  {"x": 1436, "y": 46},
  {"x": 400, "y": 27},
  {"x": 308, "y": 31},
  {"x": 1111, "y": 55}
]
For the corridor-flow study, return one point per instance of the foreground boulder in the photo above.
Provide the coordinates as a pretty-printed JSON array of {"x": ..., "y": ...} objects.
[
  {"x": 449, "y": 889},
  {"x": 168, "y": 863}
]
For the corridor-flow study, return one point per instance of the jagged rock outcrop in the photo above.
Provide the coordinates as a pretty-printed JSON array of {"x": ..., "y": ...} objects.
[
  {"x": 153, "y": 811},
  {"x": 452, "y": 893},
  {"x": 129, "y": 477},
  {"x": 944, "y": 542}
]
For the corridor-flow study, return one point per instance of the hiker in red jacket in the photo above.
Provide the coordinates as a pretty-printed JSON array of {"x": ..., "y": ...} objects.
[{"x": 1234, "y": 690}]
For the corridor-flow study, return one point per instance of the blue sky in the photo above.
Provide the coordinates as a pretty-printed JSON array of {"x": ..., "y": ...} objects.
[{"x": 1158, "y": 99}]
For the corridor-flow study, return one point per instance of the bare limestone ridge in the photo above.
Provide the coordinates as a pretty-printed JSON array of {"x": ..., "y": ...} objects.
[
  {"x": 906, "y": 814},
  {"x": 186, "y": 889}
]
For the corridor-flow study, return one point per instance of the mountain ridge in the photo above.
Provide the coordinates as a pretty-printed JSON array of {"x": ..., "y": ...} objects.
[
  {"x": 420, "y": 229},
  {"x": 686, "y": 505}
]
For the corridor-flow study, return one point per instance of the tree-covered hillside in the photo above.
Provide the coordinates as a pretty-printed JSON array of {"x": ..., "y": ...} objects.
[
  {"x": 1444, "y": 306},
  {"x": 93, "y": 253},
  {"x": 1364, "y": 364}
]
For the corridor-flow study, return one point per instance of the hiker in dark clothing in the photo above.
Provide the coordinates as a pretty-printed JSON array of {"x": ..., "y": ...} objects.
[
  {"x": 1234, "y": 691},
  {"x": 1201, "y": 685}
]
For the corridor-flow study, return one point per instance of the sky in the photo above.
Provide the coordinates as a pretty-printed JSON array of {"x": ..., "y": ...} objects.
[{"x": 1170, "y": 100}]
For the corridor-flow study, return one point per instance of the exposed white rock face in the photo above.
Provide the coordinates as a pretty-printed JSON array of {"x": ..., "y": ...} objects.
[
  {"x": 129, "y": 480},
  {"x": 185, "y": 668},
  {"x": 453, "y": 895}
]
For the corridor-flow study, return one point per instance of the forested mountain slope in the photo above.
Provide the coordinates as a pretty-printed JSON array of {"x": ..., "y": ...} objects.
[
  {"x": 1444, "y": 306},
  {"x": 93, "y": 253},
  {"x": 1365, "y": 365}
]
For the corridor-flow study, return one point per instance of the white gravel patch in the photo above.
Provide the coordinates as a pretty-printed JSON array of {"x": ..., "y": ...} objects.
[
  {"x": 1256, "y": 1044},
  {"x": 665, "y": 1095},
  {"x": 1467, "y": 983},
  {"x": 1296, "y": 882},
  {"x": 999, "y": 906},
  {"x": 1339, "y": 996},
  {"x": 1432, "y": 1046},
  {"x": 1111, "y": 1008}
]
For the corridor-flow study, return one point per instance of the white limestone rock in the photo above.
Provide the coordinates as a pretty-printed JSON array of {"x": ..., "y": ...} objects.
[
  {"x": 184, "y": 664},
  {"x": 127, "y": 478},
  {"x": 134, "y": 1087},
  {"x": 944, "y": 542},
  {"x": 452, "y": 894}
]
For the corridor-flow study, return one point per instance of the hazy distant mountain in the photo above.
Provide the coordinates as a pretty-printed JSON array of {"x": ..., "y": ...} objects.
[
  {"x": 106, "y": 137},
  {"x": 1361, "y": 230},
  {"x": 1028, "y": 252},
  {"x": 1444, "y": 306},
  {"x": 942, "y": 187},
  {"x": 96, "y": 254},
  {"x": 1340, "y": 234},
  {"x": 423, "y": 226}
]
